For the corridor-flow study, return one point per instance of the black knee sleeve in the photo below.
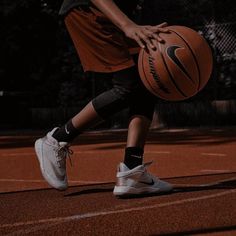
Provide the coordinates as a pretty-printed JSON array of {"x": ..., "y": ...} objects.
[
  {"x": 127, "y": 91},
  {"x": 117, "y": 98},
  {"x": 110, "y": 102}
]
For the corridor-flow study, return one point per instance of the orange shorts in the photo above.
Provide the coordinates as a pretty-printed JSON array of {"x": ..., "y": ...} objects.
[{"x": 101, "y": 46}]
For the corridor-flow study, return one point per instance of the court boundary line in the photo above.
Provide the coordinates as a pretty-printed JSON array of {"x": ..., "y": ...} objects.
[
  {"x": 215, "y": 171},
  {"x": 206, "y": 185},
  {"x": 213, "y": 154},
  {"x": 98, "y": 182},
  {"x": 95, "y": 151},
  {"x": 43, "y": 181},
  {"x": 56, "y": 220}
]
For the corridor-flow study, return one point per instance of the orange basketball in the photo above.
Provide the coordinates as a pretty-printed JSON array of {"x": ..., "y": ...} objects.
[{"x": 179, "y": 68}]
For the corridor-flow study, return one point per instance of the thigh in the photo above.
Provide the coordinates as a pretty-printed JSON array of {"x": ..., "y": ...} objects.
[{"x": 101, "y": 46}]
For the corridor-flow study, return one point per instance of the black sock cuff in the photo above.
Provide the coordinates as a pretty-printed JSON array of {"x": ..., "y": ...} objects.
[
  {"x": 70, "y": 127},
  {"x": 134, "y": 151},
  {"x": 133, "y": 157},
  {"x": 66, "y": 133}
]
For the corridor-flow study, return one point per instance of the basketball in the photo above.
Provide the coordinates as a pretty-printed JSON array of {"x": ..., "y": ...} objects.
[{"x": 179, "y": 68}]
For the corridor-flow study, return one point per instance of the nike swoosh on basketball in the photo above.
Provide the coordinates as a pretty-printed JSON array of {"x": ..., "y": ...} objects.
[
  {"x": 171, "y": 52},
  {"x": 147, "y": 183}
]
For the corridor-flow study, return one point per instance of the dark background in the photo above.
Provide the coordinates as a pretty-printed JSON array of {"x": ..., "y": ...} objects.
[{"x": 43, "y": 84}]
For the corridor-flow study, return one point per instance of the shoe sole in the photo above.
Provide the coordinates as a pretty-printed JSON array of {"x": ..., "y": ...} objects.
[
  {"x": 126, "y": 190},
  {"x": 38, "y": 151}
]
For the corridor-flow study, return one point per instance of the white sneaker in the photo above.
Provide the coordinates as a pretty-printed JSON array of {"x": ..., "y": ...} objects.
[
  {"x": 138, "y": 181},
  {"x": 52, "y": 159}
]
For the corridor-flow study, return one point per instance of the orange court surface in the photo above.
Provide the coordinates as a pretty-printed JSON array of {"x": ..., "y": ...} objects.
[{"x": 200, "y": 163}]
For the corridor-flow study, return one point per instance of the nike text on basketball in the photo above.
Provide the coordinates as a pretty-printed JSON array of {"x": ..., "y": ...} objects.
[{"x": 155, "y": 76}]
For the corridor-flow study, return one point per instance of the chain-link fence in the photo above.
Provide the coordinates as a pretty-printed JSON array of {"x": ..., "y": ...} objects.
[{"x": 216, "y": 21}]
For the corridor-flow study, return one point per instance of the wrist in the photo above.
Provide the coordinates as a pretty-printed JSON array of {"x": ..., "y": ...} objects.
[{"x": 124, "y": 26}]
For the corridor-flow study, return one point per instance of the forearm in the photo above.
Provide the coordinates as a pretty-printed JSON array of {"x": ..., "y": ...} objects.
[
  {"x": 112, "y": 11},
  {"x": 143, "y": 35}
]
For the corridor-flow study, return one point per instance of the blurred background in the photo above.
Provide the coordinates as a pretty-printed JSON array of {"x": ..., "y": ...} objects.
[{"x": 42, "y": 83}]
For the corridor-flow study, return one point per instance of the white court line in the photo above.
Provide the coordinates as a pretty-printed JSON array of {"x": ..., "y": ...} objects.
[
  {"x": 205, "y": 185},
  {"x": 56, "y": 220},
  {"x": 33, "y": 153},
  {"x": 158, "y": 152},
  {"x": 217, "y": 171},
  {"x": 92, "y": 152},
  {"x": 36, "y": 228},
  {"x": 16, "y": 154},
  {"x": 214, "y": 154},
  {"x": 75, "y": 152},
  {"x": 22, "y": 180},
  {"x": 42, "y": 181}
]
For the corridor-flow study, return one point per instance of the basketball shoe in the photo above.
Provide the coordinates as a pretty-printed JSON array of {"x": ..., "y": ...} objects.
[
  {"x": 52, "y": 156},
  {"x": 138, "y": 181}
]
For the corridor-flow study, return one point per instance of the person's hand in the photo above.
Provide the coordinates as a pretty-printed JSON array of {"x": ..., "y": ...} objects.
[{"x": 146, "y": 35}]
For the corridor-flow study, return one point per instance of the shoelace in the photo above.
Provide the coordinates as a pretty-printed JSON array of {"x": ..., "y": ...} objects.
[
  {"x": 63, "y": 153},
  {"x": 147, "y": 164}
]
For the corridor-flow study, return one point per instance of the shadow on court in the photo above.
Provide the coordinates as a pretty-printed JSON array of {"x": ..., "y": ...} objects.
[
  {"x": 228, "y": 181},
  {"x": 228, "y": 230}
]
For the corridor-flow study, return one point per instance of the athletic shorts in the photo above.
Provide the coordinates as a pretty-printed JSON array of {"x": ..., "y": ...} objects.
[{"x": 101, "y": 46}]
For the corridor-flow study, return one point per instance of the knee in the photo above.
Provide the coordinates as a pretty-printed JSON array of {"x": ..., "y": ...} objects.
[
  {"x": 125, "y": 82},
  {"x": 121, "y": 93}
]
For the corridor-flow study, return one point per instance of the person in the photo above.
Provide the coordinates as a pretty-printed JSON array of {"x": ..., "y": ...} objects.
[{"x": 107, "y": 40}]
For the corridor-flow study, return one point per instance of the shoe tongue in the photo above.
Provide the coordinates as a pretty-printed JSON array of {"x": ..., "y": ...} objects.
[{"x": 123, "y": 167}]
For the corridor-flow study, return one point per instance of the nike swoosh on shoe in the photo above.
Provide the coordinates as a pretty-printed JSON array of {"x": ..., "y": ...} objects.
[{"x": 147, "y": 183}]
